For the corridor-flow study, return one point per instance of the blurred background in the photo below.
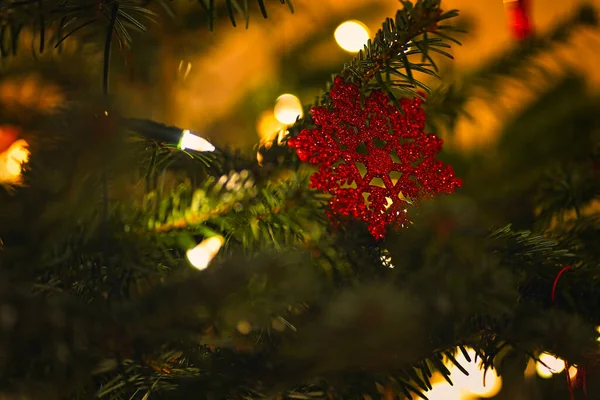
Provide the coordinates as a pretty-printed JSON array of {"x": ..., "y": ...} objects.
[{"x": 225, "y": 84}]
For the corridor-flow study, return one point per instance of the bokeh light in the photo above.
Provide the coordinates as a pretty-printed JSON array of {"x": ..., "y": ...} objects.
[
  {"x": 479, "y": 383},
  {"x": 12, "y": 160},
  {"x": 352, "y": 36},
  {"x": 443, "y": 391},
  {"x": 549, "y": 365},
  {"x": 268, "y": 126},
  {"x": 287, "y": 109}
]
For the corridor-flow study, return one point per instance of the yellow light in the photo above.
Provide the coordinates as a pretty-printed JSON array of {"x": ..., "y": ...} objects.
[
  {"x": 287, "y": 109},
  {"x": 352, "y": 36},
  {"x": 573, "y": 371},
  {"x": 12, "y": 160},
  {"x": 443, "y": 391},
  {"x": 549, "y": 365},
  {"x": 201, "y": 255},
  {"x": 485, "y": 387},
  {"x": 193, "y": 142},
  {"x": 268, "y": 127},
  {"x": 478, "y": 383}
]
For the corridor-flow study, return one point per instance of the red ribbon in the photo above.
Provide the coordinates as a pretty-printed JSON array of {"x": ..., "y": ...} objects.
[
  {"x": 518, "y": 18},
  {"x": 562, "y": 271},
  {"x": 581, "y": 377}
]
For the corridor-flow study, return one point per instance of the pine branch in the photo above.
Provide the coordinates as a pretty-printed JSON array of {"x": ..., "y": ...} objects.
[
  {"x": 384, "y": 63},
  {"x": 54, "y": 21},
  {"x": 275, "y": 213}
]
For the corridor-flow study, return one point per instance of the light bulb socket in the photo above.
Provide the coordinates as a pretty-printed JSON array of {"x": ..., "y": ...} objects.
[{"x": 161, "y": 133}]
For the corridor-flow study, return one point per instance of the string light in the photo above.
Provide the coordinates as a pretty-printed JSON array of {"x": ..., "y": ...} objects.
[
  {"x": 201, "y": 255},
  {"x": 549, "y": 365},
  {"x": 193, "y": 142},
  {"x": 287, "y": 109},
  {"x": 351, "y": 36},
  {"x": 478, "y": 383},
  {"x": 443, "y": 391},
  {"x": 165, "y": 134}
]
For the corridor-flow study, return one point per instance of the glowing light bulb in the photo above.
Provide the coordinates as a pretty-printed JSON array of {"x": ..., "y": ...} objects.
[
  {"x": 443, "y": 391},
  {"x": 549, "y": 365},
  {"x": 351, "y": 36},
  {"x": 573, "y": 371},
  {"x": 287, "y": 109},
  {"x": 201, "y": 255},
  {"x": 12, "y": 160},
  {"x": 193, "y": 142},
  {"x": 478, "y": 383}
]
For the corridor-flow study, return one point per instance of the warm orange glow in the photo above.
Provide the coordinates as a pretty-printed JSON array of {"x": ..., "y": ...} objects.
[
  {"x": 549, "y": 365},
  {"x": 478, "y": 384},
  {"x": 268, "y": 127},
  {"x": 11, "y": 162}
]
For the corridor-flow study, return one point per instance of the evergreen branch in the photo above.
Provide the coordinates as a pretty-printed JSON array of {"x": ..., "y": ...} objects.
[
  {"x": 384, "y": 62},
  {"x": 52, "y": 16},
  {"x": 180, "y": 210},
  {"x": 233, "y": 7},
  {"x": 387, "y": 54},
  {"x": 274, "y": 213},
  {"x": 524, "y": 248}
]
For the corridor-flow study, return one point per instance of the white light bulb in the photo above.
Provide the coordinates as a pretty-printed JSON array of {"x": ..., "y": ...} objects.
[
  {"x": 193, "y": 142},
  {"x": 287, "y": 109},
  {"x": 549, "y": 365},
  {"x": 201, "y": 255},
  {"x": 351, "y": 36}
]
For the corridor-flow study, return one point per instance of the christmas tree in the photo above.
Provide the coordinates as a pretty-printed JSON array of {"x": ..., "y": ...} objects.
[{"x": 354, "y": 258}]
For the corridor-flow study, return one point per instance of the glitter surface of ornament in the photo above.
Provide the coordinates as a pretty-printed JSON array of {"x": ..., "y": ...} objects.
[{"x": 374, "y": 160}]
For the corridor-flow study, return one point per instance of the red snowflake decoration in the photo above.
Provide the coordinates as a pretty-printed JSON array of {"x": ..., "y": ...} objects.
[{"x": 374, "y": 160}]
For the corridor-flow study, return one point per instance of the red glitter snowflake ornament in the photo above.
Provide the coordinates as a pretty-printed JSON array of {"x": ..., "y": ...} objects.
[{"x": 374, "y": 160}]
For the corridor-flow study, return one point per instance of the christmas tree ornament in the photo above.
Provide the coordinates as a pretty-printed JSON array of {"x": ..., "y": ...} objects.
[
  {"x": 374, "y": 159},
  {"x": 518, "y": 14}
]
